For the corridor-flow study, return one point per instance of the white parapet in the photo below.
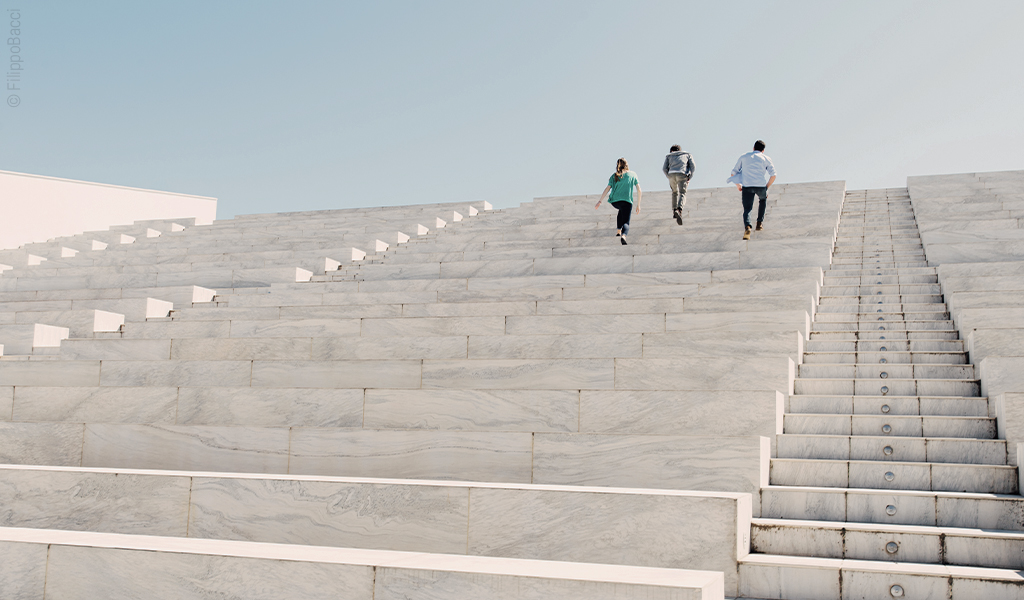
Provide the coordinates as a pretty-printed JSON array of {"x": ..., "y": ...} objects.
[
  {"x": 358, "y": 254},
  {"x": 152, "y": 233},
  {"x": 473, "y": 211},
  {"x": 5, "y": 268},
  {"x": 456, "y": 216},
  {"x": 156, "y": 309},
  {"x": 48, "y": 336},
  {"x": 487, "y": 205},
  {"x": 402, "y": 238},
  {"x": 34, "y": 260},
  {"x": 440, "y": 223},
  {"x": 201, "y": 294},
  {"x": 104, "y": 321},
  {"x": 380, "y": 246},
  {"x": 98, "y": 245},
  {"x": 302, "y": 275},
  {"x": 1, "y": 349},
  {"x": 421, "y": 230},
  {"x": 329, "y": 264},
  {"x": 68, "y": 252},
  {"x": 127, "y": 239},
  {"x": 177, "y": 227}
]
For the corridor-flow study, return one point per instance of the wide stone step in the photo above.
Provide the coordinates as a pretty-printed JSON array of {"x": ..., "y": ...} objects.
[
  {"x": 888, "y": 345},
  {"x": 813, "y": 578},
  {"x": 884, "y": 387},
  {"x": 869, "y": 324},
  {"x": 893, "y": 448},
  {"x": 898, "y": 425},
  {"x": 891, "y": 357},
  {"x": 906, "y": 507},
  {"x": 944, "y": 477},
  {"x": 889, "y": 405},
  {"x": 83, "y": 565},
  {"x": 883, "y": 299},
  {"x": 869, "y": 315},
  {"x": 883, "y": 335},
  {"x": 886, "y": 371},
  {"x": 892, "y": 543}
]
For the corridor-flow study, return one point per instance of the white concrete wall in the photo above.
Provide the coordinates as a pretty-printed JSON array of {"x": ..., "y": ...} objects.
[{"x": 37, "y": 208}]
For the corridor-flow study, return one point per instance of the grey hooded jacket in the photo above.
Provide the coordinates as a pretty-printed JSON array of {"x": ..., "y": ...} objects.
[{"x": 678, "y": 162}]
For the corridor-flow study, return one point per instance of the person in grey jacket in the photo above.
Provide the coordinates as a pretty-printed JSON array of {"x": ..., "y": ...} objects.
[{"x": 678, "y": 168}]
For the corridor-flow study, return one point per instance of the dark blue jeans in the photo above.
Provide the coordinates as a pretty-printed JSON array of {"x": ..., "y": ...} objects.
[
  {"x": 622, "y": 220},
  {"x": 748, "y": 203}
]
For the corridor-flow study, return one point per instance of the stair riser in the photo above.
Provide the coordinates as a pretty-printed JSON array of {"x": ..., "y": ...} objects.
[
  {"x": 881, "y": 405},
  {"x": 905, "y": 476}
]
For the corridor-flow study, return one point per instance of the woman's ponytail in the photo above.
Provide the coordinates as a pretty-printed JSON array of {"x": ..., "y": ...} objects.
[{"x": 620, "y": 167}]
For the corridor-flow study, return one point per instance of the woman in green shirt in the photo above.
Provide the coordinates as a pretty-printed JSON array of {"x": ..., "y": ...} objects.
[{"x": 621, "y": 185}]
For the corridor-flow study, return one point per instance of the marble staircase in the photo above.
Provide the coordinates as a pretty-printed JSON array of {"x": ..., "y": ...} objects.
[{"x": 889, "y": 479}]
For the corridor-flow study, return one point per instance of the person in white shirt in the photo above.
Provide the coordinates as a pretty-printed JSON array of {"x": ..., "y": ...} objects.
[{"x": 753, "y": 174}]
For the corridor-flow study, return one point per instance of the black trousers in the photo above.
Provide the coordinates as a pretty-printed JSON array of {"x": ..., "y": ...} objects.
[
  {"x": 748, "y": 203},
  {"x": 622, "y": 221}
]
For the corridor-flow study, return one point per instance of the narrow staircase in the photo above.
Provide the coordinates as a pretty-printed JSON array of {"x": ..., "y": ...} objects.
[{"x": 889, "y": 482}]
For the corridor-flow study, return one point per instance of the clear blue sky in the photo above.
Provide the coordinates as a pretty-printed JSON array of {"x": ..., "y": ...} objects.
[{"x": 277, "y": 106}]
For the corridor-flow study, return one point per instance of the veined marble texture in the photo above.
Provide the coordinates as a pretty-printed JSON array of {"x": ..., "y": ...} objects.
[
  {"x": 995, "y": 342},
  {"x": 538, "y": 281},
  {"x": 230, "y": 313},
  {"x": 619, "y": 292},
  {"x": 273, "y": 407},
  {"x": 295, "y": 328},
  {"x": 733, "y": 463},
  {"x": 473, "y": 410},
  {"x": 407, "y": 286},
  {"x": 538, "y": 374},
  {"x": 627, "y": 529},
  {"x": 162, "y": 330},
  {"x": 584, "y": 324},
  {"x": 433, "y": 326},
  {"x": 705, "y": 373},
  {"x": 723, "y": 343},
  {"x": 6, "y": 403},
  {"x": 175, "y": 373},
  {"x": 83, "y": 501},
  {"x": 41, "y": 443},
  {"x": 796, "y": 274},
  {"x": 627, "y": 345},
  {"x": 999, "y": 374},
  {"x": 360, "y": 298},
  {"x": 486, "y": 268},
  {"x": 337, "y": 374},
  {"x": 351, "y": 311},
  {"x": 216, "y": 349},
  {"x": 196, "y": 448},
  {"x": 682, "y": 413},
  {"x": 115, "y": 349},
  {"x": 22, "y": 570},
  {"x": 359, "y": 515},
  {"x": 84, "y": 573},
  {"x": 50, "y": 373},
  {"x": 468, "y": 456},
  {"x": 583, "y": 265},
  {"x": 691, "y": 261},
  {"x": 393, "y": 347},
  {"x": 611, "y": 307},
  {"x": 156, "y": 405},
  {"x": 647, "y": 279},
  {"x": 779, "y": 320},
  {"x": 500, "y": 295},
  {"x": 465, "y": 309}
]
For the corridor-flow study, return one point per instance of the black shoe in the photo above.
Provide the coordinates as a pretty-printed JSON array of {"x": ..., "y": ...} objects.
[
  {"x": 678, "y": 214},
  {"x": 759, "y": 226},
  {"x": 623, "y": 240}
]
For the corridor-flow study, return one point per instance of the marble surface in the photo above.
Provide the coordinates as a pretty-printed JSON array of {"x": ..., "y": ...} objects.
[
  {"x": 336, "y": 374},
  {"x": 473, "y": 410},
  {"x": 41, "y": 443},
  {"x": 538, "y": 374},
  {"x": 23, "y": 570},
  {"x": 274, "y": 407},
  {"x": 154, "y": 405},
  {"x": 173, "y": 373}
]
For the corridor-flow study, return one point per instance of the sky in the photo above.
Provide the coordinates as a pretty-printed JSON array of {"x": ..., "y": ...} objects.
[{"x": 302, "y": 105}]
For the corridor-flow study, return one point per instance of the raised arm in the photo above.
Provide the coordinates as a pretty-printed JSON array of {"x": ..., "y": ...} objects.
[
  {"x": 607, "y": 189},
  {"x": 639, "y": 196},
  {"x": 770, "y": 182}
]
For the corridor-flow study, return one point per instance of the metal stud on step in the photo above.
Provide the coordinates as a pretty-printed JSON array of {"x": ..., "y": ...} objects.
[
  {"x": 883, "y": 375},
  {"x": 890, "y": 510},
  {"x": 882, "y": 349},
  {"x": 896, "y": 591},
  {"x": 881, "y": 318},
  {"x": 881, "y": 337},
  {"x": 892, "y": 547},
  {"x": 879, "y": 310},
  {"x": 879, "y": 293},
  {"x": 887, "y": 428},
  {"x": 887, "y": 451},
  {"x": 889, "y": 476},
  {"x": 885, "y": 408},
  {"x": 882, "y": 361},
  {"x": 881, "y": 327}
]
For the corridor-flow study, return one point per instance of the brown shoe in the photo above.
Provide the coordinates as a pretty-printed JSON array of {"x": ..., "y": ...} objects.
[
  {"x": 759, "y": 227},
  {"x": 746, "y": 233}
]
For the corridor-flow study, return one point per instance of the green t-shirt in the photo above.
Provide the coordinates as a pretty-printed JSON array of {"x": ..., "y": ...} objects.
[{"x": 622, "y": 190}]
